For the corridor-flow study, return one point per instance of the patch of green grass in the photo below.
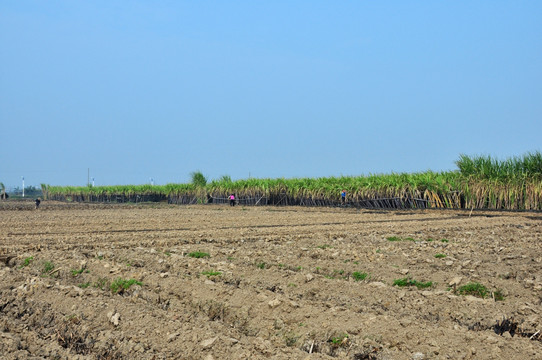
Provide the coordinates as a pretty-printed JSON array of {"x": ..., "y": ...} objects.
[
  {"x": 444, "y": 240},
  {"x": 378, "y": 251},
  {"x": 80, "y": 271},
  {"x": 100, "y": 257},
  {"x": 440, "y": 256},
  {"x": 101, "y": 283},
  {"x": 199, "y": 254},
  {"x": 261, "y": 265},
  {"x": 359, "y": 276},
  {"x": 26, "y": 262},
  {"x": 498, "y": 295},
  {"x": 410, "y": 282},
  {"x": 325, "y": 246},
  {"x": 396, "y": 238},
  {"x": 356, "y": 262},
  {"x": 120, "y": 285},
  {"x": 48, "y": 267},
  {"x": 340, "y": 340},
  {"x": 336, "y": 274},
  {"x": 167, "y": 253},
  {"x": 393, "y": 238},
  {"x": 84, "y": 285},
  {"x": 292, "y": 285},
  {"x": 211, "y": 273},
  {"x": 474, "y": 289}
]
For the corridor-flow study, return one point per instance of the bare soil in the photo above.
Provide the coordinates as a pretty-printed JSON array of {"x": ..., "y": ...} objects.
[{"x": 279, "y": 283}]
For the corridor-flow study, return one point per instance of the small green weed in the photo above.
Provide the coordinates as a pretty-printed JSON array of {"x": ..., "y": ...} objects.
[
  {"x": 261, "y": 265},
  {"x": 167, "y": 253},
  {"x": 396, "y": 238},
  {"x": 325, "y": 246},
  {"x": 211, "y": 273},
  {"x": 80, "y": 271},
  {"x": 101, "y": 283},
  {"x": 440, "y": 256},
  {"x": 26, "y": 262},
  {"x": 498, "y": 295},
  {"x": 340, "y": 340},
  {"x": 474, "y": 289},
  {"x": 84, "y": 285},
  {"x": 119, "y": 285},
  {"x": 359, "y": 276},
  {"x": 199, "y": 254},
  {"x": 48, "y": 268},
  {"x": 444, "y": 240},
  {"x": 410, "y": 282}
]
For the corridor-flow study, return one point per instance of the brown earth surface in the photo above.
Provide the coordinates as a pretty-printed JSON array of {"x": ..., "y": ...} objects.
[{"x": 279, "y": 283}]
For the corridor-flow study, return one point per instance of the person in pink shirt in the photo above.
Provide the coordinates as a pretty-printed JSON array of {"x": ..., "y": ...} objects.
[{"x": 232, "y": 200}]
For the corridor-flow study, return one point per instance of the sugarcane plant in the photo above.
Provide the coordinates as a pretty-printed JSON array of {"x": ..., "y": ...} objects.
[{"x": 480, "y": 182}]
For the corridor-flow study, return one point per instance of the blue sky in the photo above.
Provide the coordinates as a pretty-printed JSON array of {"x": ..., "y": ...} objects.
[{"x": 134, "y": 90}]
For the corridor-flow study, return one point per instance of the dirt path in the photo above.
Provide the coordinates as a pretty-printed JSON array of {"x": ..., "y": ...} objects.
[{"x": 279, "y": 283}]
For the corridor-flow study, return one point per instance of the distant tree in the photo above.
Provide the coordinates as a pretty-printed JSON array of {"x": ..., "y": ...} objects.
[{"x": 32, "y": 191}]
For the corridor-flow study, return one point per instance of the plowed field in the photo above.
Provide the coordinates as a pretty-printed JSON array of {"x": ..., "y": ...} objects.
[{"x": 158, "y": 281}]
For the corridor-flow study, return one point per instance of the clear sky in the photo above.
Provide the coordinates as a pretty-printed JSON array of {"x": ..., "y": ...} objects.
[{"x": 134, "y": 90}]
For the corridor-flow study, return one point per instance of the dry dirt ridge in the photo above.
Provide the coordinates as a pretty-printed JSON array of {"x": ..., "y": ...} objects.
[{"x": 158, "y": 281}]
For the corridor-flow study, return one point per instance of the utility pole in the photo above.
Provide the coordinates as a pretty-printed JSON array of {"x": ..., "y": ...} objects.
[
  {"x": 88, "y": 177},
  {"x": 23, "y": 184}
]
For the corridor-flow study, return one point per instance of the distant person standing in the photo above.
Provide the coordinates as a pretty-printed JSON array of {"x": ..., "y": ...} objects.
[
  {"x": 38, "y": 201},
  {"x": 343, "y": 197},
  {"x": 232, "y": 200}
]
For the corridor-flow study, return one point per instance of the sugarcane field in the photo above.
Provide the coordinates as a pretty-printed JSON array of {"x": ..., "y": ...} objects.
[{"x": 160, "y": 280}]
